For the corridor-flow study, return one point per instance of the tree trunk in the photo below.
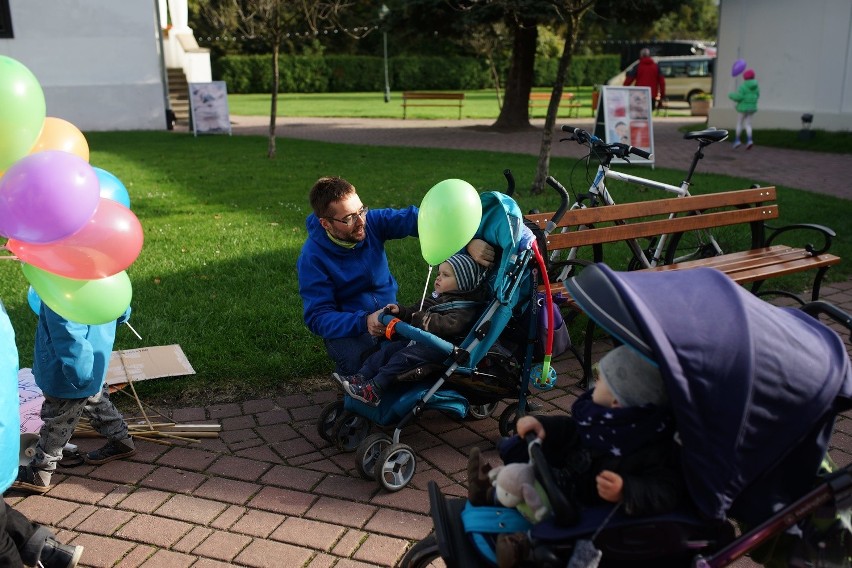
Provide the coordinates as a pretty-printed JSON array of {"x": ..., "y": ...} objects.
[
  {"x": 515, "y": 112},
  {"x": 273, "y": 111},
  {"x": 553, "y": 108}
]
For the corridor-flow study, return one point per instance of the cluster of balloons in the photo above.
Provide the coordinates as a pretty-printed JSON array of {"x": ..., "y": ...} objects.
[
  {"x": 448, "y": 219},
  {"x": 68, "y": 222}
]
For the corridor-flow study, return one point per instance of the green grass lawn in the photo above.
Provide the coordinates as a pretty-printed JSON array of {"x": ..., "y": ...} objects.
[{"x": 224, "y": 226}]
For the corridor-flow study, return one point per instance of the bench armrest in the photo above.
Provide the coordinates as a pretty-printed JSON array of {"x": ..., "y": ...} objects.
[{"x": 826, "y": 233}]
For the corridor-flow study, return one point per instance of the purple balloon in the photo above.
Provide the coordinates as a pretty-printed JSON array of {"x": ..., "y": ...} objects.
[
  {"x": 738, "y": 67},
  {"x": 47, "y": 196}
]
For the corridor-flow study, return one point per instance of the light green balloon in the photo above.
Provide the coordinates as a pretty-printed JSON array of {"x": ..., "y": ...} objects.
[
  {"x": 92, "y": 302},
  {"x": 449, "y": 217},
  {"x": 22, "y": 111}
]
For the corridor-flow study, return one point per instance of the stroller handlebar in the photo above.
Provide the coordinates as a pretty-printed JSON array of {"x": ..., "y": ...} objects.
[{"x": 408, "y": 331}]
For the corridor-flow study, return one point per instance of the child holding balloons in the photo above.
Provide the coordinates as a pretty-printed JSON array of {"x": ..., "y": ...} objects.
[{"x": 70, "y": 366}]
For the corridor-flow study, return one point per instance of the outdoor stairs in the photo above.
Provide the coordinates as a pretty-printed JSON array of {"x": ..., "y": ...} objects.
[{"x": 179, "y": 95}]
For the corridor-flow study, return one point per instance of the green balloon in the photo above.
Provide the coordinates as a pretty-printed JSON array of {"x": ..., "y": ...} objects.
[
  {"x": 92, "y": 302},
  {"x": 22, "y": 111},
  {"x": 449, "y": 217}
]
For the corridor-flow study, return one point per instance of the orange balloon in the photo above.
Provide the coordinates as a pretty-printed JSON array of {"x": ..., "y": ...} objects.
[{"x": 59, "y": 134}]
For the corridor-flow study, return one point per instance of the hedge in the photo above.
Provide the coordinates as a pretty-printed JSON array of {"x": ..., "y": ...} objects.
[{"x": 353, "y": 73}]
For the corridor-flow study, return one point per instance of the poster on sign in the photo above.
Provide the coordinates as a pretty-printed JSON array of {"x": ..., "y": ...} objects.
[{"x": 624, "y": 115}]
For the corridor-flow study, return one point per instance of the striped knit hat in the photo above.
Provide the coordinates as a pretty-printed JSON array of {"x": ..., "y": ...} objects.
[{"x": 468, "y": 272}]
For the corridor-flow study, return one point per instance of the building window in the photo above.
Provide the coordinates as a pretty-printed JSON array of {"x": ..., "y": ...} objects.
[{"x": 5, "y": 19}]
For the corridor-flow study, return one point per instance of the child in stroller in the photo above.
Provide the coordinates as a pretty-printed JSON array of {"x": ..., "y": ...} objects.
[
  {"x": 616, "y": 447},
  {"x": 754, "y": 390},
  {"x": 449, "y": 313}
]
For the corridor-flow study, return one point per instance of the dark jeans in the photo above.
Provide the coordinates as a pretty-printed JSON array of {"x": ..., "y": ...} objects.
[
  {"x": 348, "y": 352},
  {"x": 393, "y": 359},
  {"x": 21, "y": 540}
]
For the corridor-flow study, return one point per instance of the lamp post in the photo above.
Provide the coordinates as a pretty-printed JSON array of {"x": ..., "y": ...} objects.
[{"x": 383, "y": 13}]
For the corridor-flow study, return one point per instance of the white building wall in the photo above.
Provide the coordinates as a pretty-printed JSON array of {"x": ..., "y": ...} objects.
[
  {"x": 802, "y": 56},
  {"x": 97, "y": 61}
]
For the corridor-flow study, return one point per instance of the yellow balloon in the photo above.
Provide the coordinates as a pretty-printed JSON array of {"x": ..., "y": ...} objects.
[{"x": 59, "y": 134}]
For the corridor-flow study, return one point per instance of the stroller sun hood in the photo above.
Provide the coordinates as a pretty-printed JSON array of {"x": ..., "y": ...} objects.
[{"x": 752, "y": 385}]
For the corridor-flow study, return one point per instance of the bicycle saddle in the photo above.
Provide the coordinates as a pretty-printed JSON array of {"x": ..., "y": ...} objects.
[{"x": 707, "y": 136}]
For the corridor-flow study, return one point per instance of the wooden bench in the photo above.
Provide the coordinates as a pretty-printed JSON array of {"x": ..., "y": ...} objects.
[
  {"x": 543, "y": 100},
  {"x": 763, "y": 260},
  {"x": 451, "y": 100}
]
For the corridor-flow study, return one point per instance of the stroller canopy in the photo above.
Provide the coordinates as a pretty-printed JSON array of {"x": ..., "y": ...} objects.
[{"x": 754, "y": 387}]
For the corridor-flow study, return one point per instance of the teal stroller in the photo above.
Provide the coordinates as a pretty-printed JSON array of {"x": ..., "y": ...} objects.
[{"x": 493, "y": 363}]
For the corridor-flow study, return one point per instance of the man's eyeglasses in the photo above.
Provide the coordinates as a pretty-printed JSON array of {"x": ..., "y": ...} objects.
[{"x": 350, "y": 219}]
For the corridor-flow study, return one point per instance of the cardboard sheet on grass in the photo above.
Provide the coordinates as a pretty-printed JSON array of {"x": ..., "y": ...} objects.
[{"x": 127, "y": 365}]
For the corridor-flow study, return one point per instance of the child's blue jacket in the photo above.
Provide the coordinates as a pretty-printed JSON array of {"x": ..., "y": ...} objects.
[
  {"x": 71, "y": 359},
  {"x": 341, "y": 286}
]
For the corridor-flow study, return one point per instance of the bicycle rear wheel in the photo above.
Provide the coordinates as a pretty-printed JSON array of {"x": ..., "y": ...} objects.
[{"x": 706, "y": 243}]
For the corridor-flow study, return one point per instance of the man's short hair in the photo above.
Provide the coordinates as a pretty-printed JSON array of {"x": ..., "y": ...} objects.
[
  {"x": 645, "y": 52},
  {"x": 328, "y": 190}
]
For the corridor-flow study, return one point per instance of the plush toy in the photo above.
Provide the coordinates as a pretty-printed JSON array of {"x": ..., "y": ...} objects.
[{"x": 515, "y": 486}]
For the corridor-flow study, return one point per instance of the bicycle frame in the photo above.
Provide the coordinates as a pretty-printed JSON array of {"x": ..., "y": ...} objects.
[{"x": 601, "y": 196}]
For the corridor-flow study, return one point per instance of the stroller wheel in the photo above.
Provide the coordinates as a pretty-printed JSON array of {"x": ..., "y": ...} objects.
[
  {"x": 482, "y": 411},
  {"x": 327, "y": 419},
  {"x": 368, "y": 452},
  {"x": 350, "y": 430},
  {"x": 395, "y": 467},
  {"x": 424, "y": 553},
  {"x": 508, "y": 419}
]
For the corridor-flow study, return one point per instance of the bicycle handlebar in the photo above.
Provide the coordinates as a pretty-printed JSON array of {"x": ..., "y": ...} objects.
[{"x": 616, "y": 149}]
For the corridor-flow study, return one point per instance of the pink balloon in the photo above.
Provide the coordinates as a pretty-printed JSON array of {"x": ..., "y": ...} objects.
[
  {"x": 47, "y": 196},
  {"x": 107, "y": 244},
  {"x": 738, "y": 67}
]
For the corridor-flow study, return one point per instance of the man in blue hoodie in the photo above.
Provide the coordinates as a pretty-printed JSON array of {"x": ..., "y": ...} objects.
[{"x": 344, "y": 278}]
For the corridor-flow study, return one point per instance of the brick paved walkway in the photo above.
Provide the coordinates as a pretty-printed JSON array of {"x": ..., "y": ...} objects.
[{"x": 269, "y": 491}]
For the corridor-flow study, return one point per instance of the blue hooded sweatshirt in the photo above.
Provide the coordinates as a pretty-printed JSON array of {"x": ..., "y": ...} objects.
[
  {"x": 10, "y": 419},
  {"x": 341, "y": 286},
  {"x": 71, "y": 359}
]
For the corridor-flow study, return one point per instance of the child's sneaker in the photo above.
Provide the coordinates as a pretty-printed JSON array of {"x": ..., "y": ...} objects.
[
  {"x": 749, "y": 146},
  {"x": 112, "y": 450},
  {"x": 362, "y": 389},
  {"x": 737, "y": 144},
  {"x": 343, "y": 379},
  {"x": 32, "y": 479}
]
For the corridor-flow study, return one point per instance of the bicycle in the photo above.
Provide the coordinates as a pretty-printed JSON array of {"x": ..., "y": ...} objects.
[{"x": 664, "y": 249}]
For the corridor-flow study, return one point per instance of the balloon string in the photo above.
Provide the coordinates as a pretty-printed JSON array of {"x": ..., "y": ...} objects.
[
  {"x": 426, "y": 287},
  {"x": 127, "y": 323}
]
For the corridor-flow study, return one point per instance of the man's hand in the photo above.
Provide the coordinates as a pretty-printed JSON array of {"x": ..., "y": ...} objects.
[
  {"x": 374, "y": 326},
  {"x": 481, "y": 252},
  {"x": 527, "y": 424},
  {"x": 610, "y": 486}
]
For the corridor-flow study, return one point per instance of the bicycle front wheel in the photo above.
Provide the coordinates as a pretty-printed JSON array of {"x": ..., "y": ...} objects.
[{"x": 706, "y": 243}]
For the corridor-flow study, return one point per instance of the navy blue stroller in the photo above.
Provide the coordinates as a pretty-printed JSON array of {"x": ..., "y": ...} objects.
[
  {"x": 492, "y": 363},
  {"x": 755, "y": 390}
]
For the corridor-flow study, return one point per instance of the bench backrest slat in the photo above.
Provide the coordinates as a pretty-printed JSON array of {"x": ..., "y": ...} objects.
[
  {"x": 546, "y": 96},
  {"x": 662, "y": 226},
  {"x": 635, "y": 210},
  {"x": 447, "y": 96}
]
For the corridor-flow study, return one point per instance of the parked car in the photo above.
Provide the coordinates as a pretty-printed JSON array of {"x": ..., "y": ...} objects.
[{"x": 686, "y": 76}]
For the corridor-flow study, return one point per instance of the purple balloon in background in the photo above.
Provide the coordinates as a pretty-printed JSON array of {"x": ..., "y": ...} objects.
[
  {"x": 47, "y": 196},
  {"x": 738, "y": 67}
]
